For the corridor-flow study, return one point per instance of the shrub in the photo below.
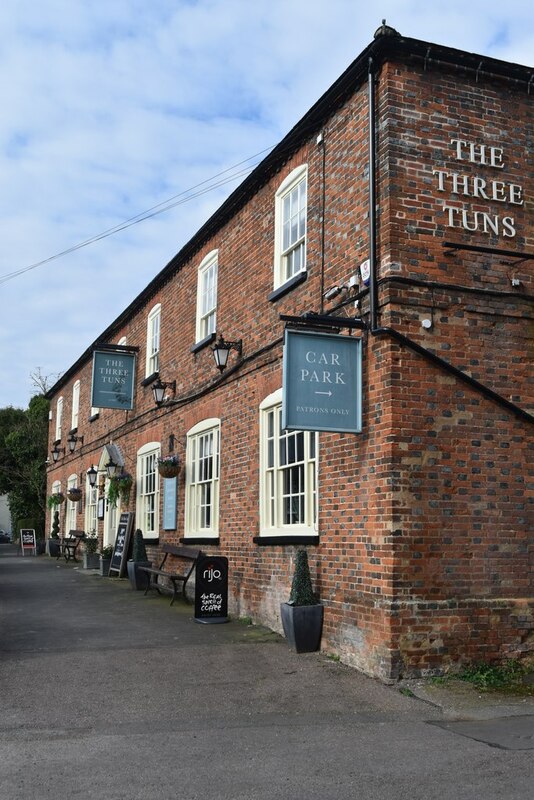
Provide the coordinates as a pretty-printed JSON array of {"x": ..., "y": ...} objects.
[
  {"x": 302, "y": 593},
  {"x": 138, "y": 548}
]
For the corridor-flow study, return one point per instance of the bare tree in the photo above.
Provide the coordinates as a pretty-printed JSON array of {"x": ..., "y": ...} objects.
[{"x": 43, "y": 382}]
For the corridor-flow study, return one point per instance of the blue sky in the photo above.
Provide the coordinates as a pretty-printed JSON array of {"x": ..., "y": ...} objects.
[{"x": 111, "y": 107}]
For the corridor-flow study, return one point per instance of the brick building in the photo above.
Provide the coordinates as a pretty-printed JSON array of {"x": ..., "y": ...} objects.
[{"x": 418, "y": 160}]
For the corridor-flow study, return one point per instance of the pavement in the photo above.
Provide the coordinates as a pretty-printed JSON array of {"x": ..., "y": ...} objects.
[{"x": 107, "y": 693}]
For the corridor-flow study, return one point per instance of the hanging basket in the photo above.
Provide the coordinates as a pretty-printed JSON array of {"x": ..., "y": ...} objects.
[
  {"x": 168, "y": 469},
  {"x": 55, "y": 500},
  {"x": 74, "y": 495}
]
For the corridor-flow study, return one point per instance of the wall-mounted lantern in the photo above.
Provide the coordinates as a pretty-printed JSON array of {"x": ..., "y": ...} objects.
[
  {"x": 56, "y": 452},
  {"x": 221, "y": 350},
  {"x": 92, "y": 475},
  {"x": 159, "y": 388},
  {"x": 71, "y": 441}
]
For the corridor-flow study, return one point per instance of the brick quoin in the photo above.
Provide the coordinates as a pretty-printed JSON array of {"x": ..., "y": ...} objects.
[{"x": 424, "y": 558}]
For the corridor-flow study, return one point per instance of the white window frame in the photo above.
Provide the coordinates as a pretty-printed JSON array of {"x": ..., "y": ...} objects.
[
  {"x": 277, "y": 499},
  {"x": 59, "y": 418},
  {"x": 206, "y": 322},
  {"x": 202, "y": 479},
  {"x": 294, "y": 248},
  {"x": 54, "y": 489},
  {"x": 75, "y": 413},
  {"x": 153, "y": 330},
  {"x": 147, "y": 490},
  {"x": 72, "y": 506},
  {"x": 91, "y": 508}
]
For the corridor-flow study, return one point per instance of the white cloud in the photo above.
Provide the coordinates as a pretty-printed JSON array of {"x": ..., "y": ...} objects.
[{"x": 112, "y": 106}]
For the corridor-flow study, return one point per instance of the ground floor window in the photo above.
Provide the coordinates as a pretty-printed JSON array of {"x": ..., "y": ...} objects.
[
  {"x": 72, "y": 507},
  {"x": 91, "y": 499},
  {"x": 55, "y": 489},
  {"x": 147, "y": 506},
  {"x": 288, "y": 475},
  {"x": 202, "y": 480}
]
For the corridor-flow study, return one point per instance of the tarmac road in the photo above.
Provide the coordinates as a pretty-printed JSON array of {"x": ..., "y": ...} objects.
[{"x": 109, "y": 694}]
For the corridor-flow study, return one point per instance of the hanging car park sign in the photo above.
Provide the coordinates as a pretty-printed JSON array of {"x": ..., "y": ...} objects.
[
  {"x": 322, "y": 389},
  {"x": 113, "y": 379}
]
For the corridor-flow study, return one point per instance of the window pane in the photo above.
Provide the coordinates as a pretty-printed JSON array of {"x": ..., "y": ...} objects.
[
  {"x": 201, "y": 490},
  {"x": 289, "y": 484}
]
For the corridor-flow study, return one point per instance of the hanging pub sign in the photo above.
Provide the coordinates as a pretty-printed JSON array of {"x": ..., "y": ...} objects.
[
  {"x": 113, "y": 379},
  {"x": 322, "y": 384}
]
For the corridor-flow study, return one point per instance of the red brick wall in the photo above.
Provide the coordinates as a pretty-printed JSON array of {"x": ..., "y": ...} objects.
[{"x": 425, "y": 554}]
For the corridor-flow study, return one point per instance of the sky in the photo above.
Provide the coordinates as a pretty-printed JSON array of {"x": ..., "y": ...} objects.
[{"x": 125, "y": 124}]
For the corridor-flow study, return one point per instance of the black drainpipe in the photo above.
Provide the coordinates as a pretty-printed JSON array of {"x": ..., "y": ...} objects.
[{"x": 373, "y": 300}]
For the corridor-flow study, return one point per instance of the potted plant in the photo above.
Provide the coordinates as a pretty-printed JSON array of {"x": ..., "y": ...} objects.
[
  {"x": 168, "y": 466},
  {"x": 302, "y": 615},
  {"x": 91, "y": 558},
  {"x": 105, "y": 559},
  {"x": 74, "y": 494},
  {"x": 138, "y": 579},
  {"x": 53, "y": 542},
  {"x": 55, "y": 500},
  {"x": 120, "y": 486}
]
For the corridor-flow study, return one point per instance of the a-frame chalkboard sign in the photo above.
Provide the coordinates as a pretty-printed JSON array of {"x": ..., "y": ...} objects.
[{"x": 122, "y": 544}]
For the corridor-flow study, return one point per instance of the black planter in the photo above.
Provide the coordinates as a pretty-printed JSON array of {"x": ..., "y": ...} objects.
[
  {"x": 53, "y": 548},
  {"x": 302, "y": 626},
  {"x": 104, "y": 565},
  {"x": 138, "y": 579}
]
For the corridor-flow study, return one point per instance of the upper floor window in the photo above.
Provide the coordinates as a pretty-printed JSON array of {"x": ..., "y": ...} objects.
[
  {"x": 288, "y": 475},
  {"x": 207, "y": 296},
  {"x": 202, "y": 480},
  {"x": 152, "y": 340},
  {"x": 290, "y": 226},
  {"x": 59, "y": 417},
  {"x": 147, "y": 505},
  {"x": 75, "y": 405}
]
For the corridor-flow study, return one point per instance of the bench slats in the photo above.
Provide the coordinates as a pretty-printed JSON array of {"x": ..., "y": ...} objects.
[
  {"x": 177, "y": 579},
  {"x": 69, "y": 545}
]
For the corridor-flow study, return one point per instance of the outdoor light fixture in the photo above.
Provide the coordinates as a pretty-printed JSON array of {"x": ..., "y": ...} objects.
[
  {"x": 159, "y": 388},
  {"x": 56, "y": 452},
  {"x": 221, "y": 350},
  {"x": 71, "y": 441},
  {"x": 111, "y": 467},
  {"x": 92, "y": 474}
]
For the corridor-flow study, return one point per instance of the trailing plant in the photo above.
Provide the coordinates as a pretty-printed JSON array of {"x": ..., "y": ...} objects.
[
  {"x": 302, "y": 593},
  {"x": 168, "y": 461},
  {"x": 55, "y": 500},
  {"x": 120, "y": 487},
  {"x": 138, "y": 548}
]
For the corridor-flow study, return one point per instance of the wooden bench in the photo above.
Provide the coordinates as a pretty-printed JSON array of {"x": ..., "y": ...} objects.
[
  {"x": 188, "y": 557},
  {"x": 69, "y": 545}
]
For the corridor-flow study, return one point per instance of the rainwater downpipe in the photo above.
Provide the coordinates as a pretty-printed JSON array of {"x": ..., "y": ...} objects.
[{"x": 373, "y": 300}]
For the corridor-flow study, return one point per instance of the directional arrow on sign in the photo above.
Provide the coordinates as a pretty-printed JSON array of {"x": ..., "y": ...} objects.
[{"x": 327, "y": 393}]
